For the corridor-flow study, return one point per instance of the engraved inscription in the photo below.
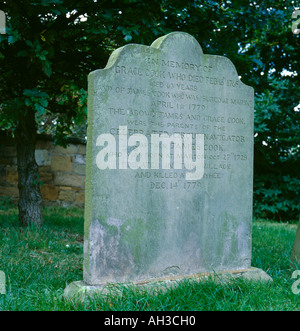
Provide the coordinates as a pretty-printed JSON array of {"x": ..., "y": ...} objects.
[{"x": 177, "y": 105}]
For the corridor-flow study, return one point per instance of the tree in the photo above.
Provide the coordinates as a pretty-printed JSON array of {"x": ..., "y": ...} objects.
[
  {"x": 39, "y": 65},
  {"x": 46, "y": 56},
  {"x": 52, "y": 45}
]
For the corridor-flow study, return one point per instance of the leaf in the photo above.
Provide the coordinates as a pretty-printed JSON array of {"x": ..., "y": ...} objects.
[
  {"x": 12, "y": 39},
  {"x": 28, "y": 43},
  {"x": 39, "y": 109},
  {"x": 23, "y": 53},
  {"x": 44, "y": 102},
  {"x": 128, "y": 38},
  {"x": 56, "y": 11},
  {"x": 27, "y": 102},
  {"x": 47, "y": 68}
]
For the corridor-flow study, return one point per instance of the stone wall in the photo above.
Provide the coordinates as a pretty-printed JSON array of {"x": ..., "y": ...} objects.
[{"x": 62, "y": 171}]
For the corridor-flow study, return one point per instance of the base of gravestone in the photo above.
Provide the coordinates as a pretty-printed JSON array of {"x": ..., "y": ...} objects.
[{"x": 80, "y": 290}]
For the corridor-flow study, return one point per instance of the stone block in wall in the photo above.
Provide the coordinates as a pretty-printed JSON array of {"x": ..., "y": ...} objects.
[
  {"x": 42, "y": 157},
  {"x": 46, "y": 175},
  {"x": 12, "y": 175},
  {"x": 5, "y": 160},
  {"x": 9, "y": 191},
  {"x": 10, "y": 151},
  {"x": 49, "y": 192},
  {"x": 68, "y": 179},
  {"x": 79, "y": 168},
  {"x": 80, "y": 159},
  {"x": 61, "y": 171},
  {"x": 66, "y": 188},
  {"x": 43, "y": 144},
  {"x": 62, "y": 163},
  {"x": 81, "y": 149},
  {"x": 59, "y": 150},
  {"x": 66, "y": 195},
  {"x": 80, "y": 197}
]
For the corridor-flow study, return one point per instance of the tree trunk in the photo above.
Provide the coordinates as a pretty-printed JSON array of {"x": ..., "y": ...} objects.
[{"x": 30, "y": 198}]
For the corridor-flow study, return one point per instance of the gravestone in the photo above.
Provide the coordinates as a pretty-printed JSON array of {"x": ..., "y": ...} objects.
[
  {"x": 2, "y": 22},
  {"x": 2, "y": 282},
  {"x": 295, "y": 256},
  {"x": 169, "y": 166}
]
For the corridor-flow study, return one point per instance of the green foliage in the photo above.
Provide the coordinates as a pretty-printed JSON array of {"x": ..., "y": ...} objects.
[
  {"x": 277, "y": 198},
  {"x": 5, "y": 203},
  {"x": 277, "y": 153},
  {"x": 39, "y": 66},
  {"x": 51, "y": 46},
  {"x": 36, "y": 100}
]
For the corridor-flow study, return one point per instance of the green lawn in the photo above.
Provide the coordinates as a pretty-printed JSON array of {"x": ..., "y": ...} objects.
[{"x": 39, "y": 263}]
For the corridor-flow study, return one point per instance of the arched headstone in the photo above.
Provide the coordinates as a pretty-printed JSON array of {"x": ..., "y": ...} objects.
[{"x": 169, "y": 165}]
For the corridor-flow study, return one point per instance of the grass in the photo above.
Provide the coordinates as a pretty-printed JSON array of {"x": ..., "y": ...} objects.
[{"x": 40, "y": 262}]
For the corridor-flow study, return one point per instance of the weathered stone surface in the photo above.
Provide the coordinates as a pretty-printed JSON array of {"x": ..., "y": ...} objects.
[
  {"x": 66, "y": 188},
  {"x": 12, "y": 174},
  {"x": 9, "y": 191},
  {"x": 80, "y": 197},
  {"x": 42, "y": 157},
  {"x": 66, "y": 195},
  {"x": 295, "y": 256},
  {"x": 145, "y": 220},
  {"x": 71, "y": 166},
  {"x": 61, "y": 163},
  {"x": 2, "y": 22},
  {"x": 49, "y": 192},
  {"x": 2, "y": 283},
  {"x": 80, "y": 159},
  {"x": 79, "y": 169},
  {"x": 66, "y": 179},
  {"x": 43, "y": 144},
  {"x": 70, "y": 149},
  {"x": 46, "y": 174},
  {"x": 80, "y": 290},
  {"x": 81, "y": 149}
]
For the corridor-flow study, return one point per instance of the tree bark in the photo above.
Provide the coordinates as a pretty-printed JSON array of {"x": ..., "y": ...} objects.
[{"x": 30, "y": 198}]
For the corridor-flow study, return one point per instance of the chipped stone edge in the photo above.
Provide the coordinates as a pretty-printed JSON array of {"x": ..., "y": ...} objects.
[
  {"x": 79, "y": 290},
  {"x": 2, "y": 282}
]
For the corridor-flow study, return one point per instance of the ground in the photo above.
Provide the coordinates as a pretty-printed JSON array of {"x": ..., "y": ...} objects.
[{"x": 40, "y": 262}]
